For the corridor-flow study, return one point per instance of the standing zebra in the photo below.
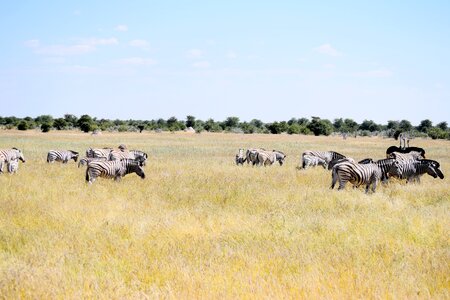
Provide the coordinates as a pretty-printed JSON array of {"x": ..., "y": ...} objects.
[
  {"x": 136, "y": 155},
  {"x": 240, "y": 159},
  {"x": 251, "y": 156},
  {"x": 113, "y": 169},
  {"x": 7, "y": 155},
  {"x": 62, "y": 155},
  {"x": 13, "y": 166},
  {"x": 413, "y": 170},
  {"x": 411, "y": 156},
  {"x": 357, "y": 174},
  {"x": 328, "y": 156},
  {"x": 313, "y": 161},
  {"x": 265, "y": 158}
]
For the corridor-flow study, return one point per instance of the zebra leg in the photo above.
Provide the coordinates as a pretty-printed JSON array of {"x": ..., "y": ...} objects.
[{"x": 334, "y": 178}]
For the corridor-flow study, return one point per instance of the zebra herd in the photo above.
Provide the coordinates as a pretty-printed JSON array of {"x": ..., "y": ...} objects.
[
  {"x": 403, "y": 163},
  {"x": 102, "y": 162}
]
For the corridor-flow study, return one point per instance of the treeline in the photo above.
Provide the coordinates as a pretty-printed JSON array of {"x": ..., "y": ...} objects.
[{"x": 315, "y": 126}]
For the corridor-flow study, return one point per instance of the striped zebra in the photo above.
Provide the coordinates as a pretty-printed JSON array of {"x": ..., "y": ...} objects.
[
  {"x": 313, "y": 161},
  {"x": 113, "y": 169},
  {"x": 265, "y": 158},
  {"x": 357, "y": 174},
  {"x": 7, "y": 155},
  {"x": 328, "y": 156},
  {"x": 13, "y": 166},
  {"x": 251, "y": 156},
  {"x": 98, "y": 152},
  {"x": 140, "y": 156},
  {"x": 85, "y": 160},
  {"x": 136, "y": 155},
  {"x": 413, "y": 170},
  {"x": 334, "y": 162},
  {"x": 392, "y": 149},
  {"x": 62, "y": 155},
  {"x": 411, "y": 156},
  {"x": 240, "y": 158}
]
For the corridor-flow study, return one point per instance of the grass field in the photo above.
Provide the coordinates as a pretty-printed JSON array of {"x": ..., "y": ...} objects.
[{"x": 199, "y": 226}]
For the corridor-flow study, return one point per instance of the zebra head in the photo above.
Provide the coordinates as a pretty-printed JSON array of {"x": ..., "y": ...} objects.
[
  {"x": 74, "y": 155},
  {"x": 433, "y": 167},
  {"x": 136, "y": 168},
  {"x": 19, "y": 154}
]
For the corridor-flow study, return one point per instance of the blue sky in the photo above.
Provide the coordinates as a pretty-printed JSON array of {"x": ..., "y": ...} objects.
[{"x": 376, "y": 60}]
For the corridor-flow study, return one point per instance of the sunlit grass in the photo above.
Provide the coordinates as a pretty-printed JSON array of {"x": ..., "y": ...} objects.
[{"x": 200, "y": 227}]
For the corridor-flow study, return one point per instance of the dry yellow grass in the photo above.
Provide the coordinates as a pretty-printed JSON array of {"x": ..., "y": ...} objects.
[{"x": 200, "y": 227}]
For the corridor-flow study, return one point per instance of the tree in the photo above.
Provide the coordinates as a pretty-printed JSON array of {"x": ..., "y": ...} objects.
[
  {"x": 190, "y": 121},
  {"x": 369, "y": 125},
  {"x": 275, "y": 128},
  {"x": 44, "y": 119},
  {"x": 425, "y": 125},
  {"x": 442, "y": 125},
  {"x": 45, "y": 127},
  {"x": 338, "y": 124},
  {"x": 60, "y": 124},
  {"x": 71, "y": 120},
  {"x": 350, "y": 126},
  {"x": 23, "y": 125},
  {"x": 405, "y": 125},
  {"x": 294, "y": 128},
  {"x": 231, "y": 122},
  {"x": 257, "y": 123},
  {"x": 320, "y": 127}
]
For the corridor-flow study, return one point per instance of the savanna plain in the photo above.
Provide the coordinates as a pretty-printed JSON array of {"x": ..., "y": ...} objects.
[{"x": 198, "y": 226}]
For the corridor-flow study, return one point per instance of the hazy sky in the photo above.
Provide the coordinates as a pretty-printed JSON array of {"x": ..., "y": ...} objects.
[{"x": 270, "y": 60}]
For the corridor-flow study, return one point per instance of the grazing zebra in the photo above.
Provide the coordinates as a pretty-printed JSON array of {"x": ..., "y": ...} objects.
[
  {"x": 252, "y": 155},
  {"x": 85, "y": 160},
  {"x": 140, "y": 156},
  {"x": 97, "y": 152},
  {"x": 357, "y": 174},
  {"x": 62, "y": 156},
  {"x": 328, "y": 156},
  {"x": 7, "y": 155},
  {"x": 392, "y": 149},
  {"x": 411, "y": 156},
  {"x": 313, "y": 161},
  {"x": 13, "y": 166},
  {"x": 113, "y": 169},
  {"x": 413, "y": 170},
  {"x": 265, "y": 158},
  {"x": 240, "y": 159}
]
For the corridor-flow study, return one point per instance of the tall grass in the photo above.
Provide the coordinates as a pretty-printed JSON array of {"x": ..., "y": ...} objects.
[{"x": 200, "y": 227}]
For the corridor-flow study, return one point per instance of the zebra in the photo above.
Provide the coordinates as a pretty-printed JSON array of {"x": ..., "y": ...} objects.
[
  {"x": 97, "y": 152},
  {"x": 334, "y": 162},
  {"x": 251, "y": 155},
  {"x": 392, "y": 149},
  {"x": 411, "y": 156},
  {"x": 140, "y": 156},
  {"x": 328, "y": 156},
  {"x": 7, "y": 155},
  {"x": 413, "y": 170},
  {"x": 357, "y": 174},
  {"x": 366, "y": 161},
  {"x": 13, "y": 166},
  {"x": 113, "y": 169},
  {"x": 265, "y": 158},
  {"x": 85, "y": 160},
  {"x": 310, "y": 160},
  {"x": 240, "y": 159},
  {"x": 404, "y": 138},
  {"x": 62, "y": 155}
]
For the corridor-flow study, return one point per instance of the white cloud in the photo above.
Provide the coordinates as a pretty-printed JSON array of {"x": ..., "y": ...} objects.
[
  {"x": 122, "y": 28},
  {"x": 380, "y": 73},
  {"x": 137, "y": 61},
  {"x": 201, "y": 64},
  {"x": 139, "y": 43},
  {"x": 195, "y": 53},
  {"x": 327, "y": 49},
  {"x": 100, "y": 42}
]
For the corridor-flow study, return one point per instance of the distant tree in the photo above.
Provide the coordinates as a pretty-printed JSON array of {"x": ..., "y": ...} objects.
[
  {"x": 190, "y": 121},
  {"x": 350, "y": 126},
  {"x": 45, "y": 127},
  {"x": 405, "y": 125},
  {"x": 292, "y": 121},
  {"x": 84, "y": 119},
  {"x": 141, "y": 127},
  {"x": 294, "y": 128},
  {"x": 320, "y": 126},
  {"x": 44, "y": 119},
  {"x": 437, "y": 133},
  {"x": 424, "y": 126},
  {"x": 71, "y": 120},
  {"x": 369, "y": 125},
  {"x": 23, "y": 125},
  {"x": 442, "y": 125},
  {"x": 257, "y": 123},
  {"x": 231, "y": 122},
  {"x": 275, "y": 128},
  {"x": 338, "y": 124},
  {"x": 60, "y": 123},
  {"x": 394, "y": 125},
  {"x": 303, "y": 121}
]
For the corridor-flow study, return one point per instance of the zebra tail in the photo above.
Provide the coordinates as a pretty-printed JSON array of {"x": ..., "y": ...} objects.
[{"x": 87, "y": 174}]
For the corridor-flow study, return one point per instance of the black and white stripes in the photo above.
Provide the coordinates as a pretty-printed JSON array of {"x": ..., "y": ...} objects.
[
  {"x": 113, "y": 169},
  {"x": 61, "y": 155}
]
